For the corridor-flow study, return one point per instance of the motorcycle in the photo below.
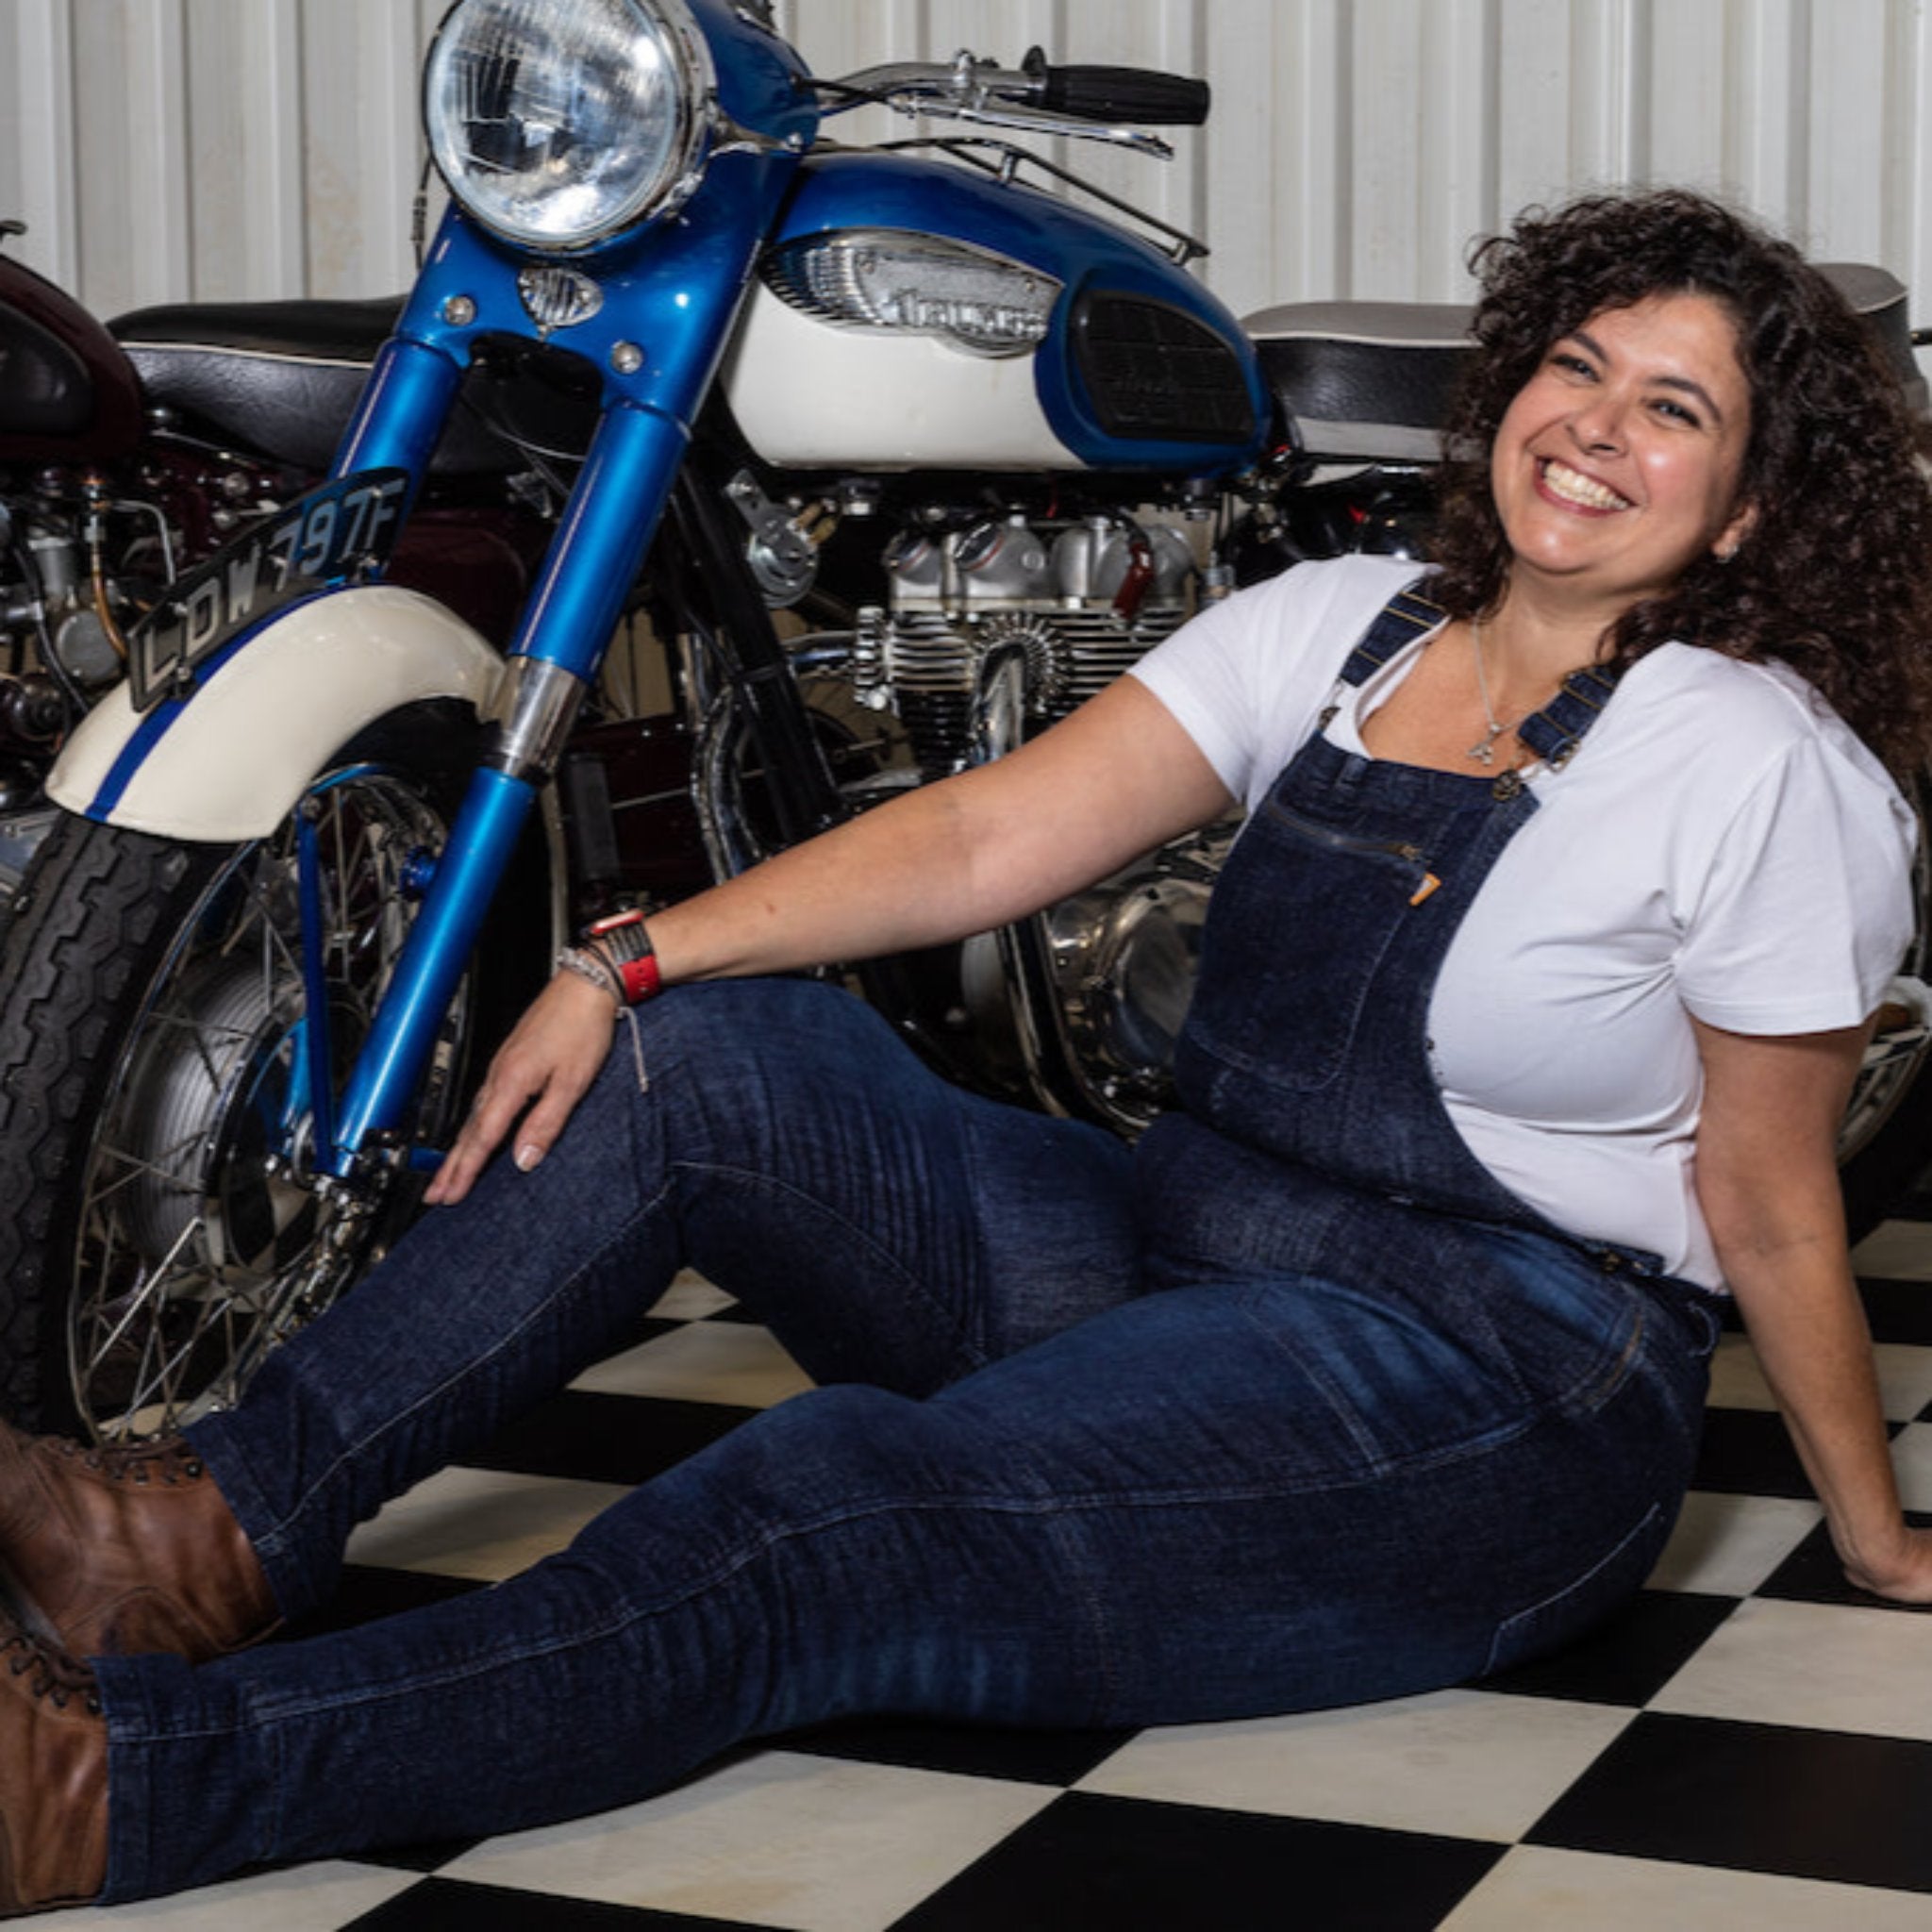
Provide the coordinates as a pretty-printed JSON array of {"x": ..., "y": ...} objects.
[{"x": 871, "y": 462}]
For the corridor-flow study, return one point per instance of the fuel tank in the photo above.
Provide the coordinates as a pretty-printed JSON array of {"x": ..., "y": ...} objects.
[
  {"x": 66, "y": 389},
  {"x": 914, "y": 315}
]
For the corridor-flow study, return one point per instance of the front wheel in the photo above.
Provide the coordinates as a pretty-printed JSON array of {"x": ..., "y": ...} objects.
[{"x": 161, "y": 1227}]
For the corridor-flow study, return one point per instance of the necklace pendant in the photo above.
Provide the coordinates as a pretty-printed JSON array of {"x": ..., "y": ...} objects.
[{"x": 1485, "y": 753}]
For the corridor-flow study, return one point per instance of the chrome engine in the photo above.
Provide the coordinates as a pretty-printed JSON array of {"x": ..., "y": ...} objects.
[
  {"x": 1067, "y": 612},
  {"x": 993, "y": 629}
]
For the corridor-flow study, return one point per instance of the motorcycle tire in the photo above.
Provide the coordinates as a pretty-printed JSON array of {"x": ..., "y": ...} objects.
[
  {"x": 1885, "y": 1143},
  {"x": 160, "y": 1230}
]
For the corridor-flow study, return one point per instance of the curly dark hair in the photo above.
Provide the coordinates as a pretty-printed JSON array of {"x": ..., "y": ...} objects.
[{"x": 1835, "y": 577}]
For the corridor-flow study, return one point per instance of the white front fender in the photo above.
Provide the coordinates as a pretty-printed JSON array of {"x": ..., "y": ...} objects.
[{"x": 231, "y": 759}]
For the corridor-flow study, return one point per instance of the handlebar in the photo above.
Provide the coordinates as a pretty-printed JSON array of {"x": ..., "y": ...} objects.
[
  {"x": 1093, "y": 103},
  {"x": 1118, "y": 93}
]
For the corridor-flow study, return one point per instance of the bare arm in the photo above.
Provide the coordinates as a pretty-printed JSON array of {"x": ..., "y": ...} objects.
[
  {"x": 967, "y": 855},
  {"x": 962, "y": 857},
  {"x": 1767, "y": 1180}
]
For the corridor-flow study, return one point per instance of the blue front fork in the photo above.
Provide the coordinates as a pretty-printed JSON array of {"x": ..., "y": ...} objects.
[
  {"x": 658, "y": 339},
  {"x": 578, "y": 603}
]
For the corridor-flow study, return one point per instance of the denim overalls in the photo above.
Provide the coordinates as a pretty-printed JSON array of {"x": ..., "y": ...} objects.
[
  {"x": 1306, "y": 1039},
  {"x": 1293, "y": 1406}
]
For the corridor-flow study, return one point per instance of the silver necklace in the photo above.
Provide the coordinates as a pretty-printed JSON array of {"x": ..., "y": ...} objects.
[{"x": 1484, "y": 751}]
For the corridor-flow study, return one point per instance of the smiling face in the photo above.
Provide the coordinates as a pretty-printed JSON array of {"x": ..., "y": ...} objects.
[{"x": 1618, "y": 464}]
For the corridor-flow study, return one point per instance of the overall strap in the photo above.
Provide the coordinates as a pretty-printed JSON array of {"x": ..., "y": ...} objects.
[
  {"x": 1552, "y": 733},
  {"x": 1406, "y": 616},
  {"x": 1556, "y": 731}
]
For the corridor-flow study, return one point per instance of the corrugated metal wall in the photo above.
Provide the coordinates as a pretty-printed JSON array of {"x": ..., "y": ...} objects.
[{"x": 166, "y": 150}]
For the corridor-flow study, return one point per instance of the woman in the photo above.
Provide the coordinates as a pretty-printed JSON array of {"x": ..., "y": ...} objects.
[{"x": 1527, "y": 1009}]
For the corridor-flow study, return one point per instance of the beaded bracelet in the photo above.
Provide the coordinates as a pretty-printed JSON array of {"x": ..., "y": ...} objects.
[
  {"x": 593, "y": 967},
  {"x": 601, "y": 973}
]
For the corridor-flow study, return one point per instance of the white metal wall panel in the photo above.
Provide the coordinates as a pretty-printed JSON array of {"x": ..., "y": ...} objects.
[{"x": 166, "y": 150}]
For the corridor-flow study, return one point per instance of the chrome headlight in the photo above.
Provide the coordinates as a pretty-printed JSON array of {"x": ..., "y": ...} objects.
[{"x": 557, "y": 122}]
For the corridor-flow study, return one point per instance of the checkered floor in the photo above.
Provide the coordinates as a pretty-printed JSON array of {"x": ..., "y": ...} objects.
[{"x": 1750, "y": 1745}]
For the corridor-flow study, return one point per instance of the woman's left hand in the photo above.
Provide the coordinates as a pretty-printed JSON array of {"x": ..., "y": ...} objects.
[
  {"x": 1767, "y": 1177},
  {"x": 1901, "y": 1574}
]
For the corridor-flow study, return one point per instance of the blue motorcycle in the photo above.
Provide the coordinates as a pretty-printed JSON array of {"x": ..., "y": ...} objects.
[{"x": 862, "y": 465}]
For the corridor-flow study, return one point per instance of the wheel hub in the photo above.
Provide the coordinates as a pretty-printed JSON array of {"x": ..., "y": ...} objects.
[{"x": 211, "y": 1131}]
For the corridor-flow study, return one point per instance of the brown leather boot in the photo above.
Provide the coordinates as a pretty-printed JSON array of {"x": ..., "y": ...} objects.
[
  {"x": 125, "y": 1549},
  {"x": 53, "y": 1778}
]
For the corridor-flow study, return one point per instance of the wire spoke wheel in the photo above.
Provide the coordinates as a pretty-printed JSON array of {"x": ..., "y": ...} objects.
[
  {"x": 203, "y": 1235},
  {"x": 163, "y": 1025}
]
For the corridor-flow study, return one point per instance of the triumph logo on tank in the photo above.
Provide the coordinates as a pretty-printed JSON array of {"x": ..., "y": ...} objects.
[{"x": 342, "y": 530}]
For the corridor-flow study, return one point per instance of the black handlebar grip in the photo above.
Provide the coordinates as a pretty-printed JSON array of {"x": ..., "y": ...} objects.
[{"x": 1123, "y": 94}]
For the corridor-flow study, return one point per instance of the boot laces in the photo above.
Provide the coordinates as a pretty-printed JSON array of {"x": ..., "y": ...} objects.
[
  {"x": 55, "y": 1675},
  {"x": 166, "y": 1458}
]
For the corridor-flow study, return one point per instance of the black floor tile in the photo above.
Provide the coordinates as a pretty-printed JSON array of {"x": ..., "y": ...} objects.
[
  {"x": 1746, "y": 1451},
  {"x": 425, "y": 1858},
  {"x": 1630, "y": 1658},
  {"x": 1095, "y": 1864},
  {"x": 1034, "y": 1758},
  {"x": 1822, "y": 1805},
  {"x": 586, "y": 1437},
  {"x": 1813, "y": 1575},
  {"x": 445, "y": 1904},
  {"x": 1898, "y": 1310},
  {"x": 1914, "y": 1205}
]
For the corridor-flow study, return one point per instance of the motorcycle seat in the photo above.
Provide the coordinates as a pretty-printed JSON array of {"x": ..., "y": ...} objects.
[
  {"x": 1372, "y": 382},
  {"x": 1363, "y": 381},
  {"x": 281, "y": 379},
  {"x": 1880, "y": 297}
]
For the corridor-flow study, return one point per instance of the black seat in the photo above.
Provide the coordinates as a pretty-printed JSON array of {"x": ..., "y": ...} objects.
[
  {"x": 1365, "y": 382},
  {"x": 280, "y": 379}
]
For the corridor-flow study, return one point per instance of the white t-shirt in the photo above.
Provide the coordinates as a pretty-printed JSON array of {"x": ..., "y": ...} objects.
[{"x": 1721, "y": 845}]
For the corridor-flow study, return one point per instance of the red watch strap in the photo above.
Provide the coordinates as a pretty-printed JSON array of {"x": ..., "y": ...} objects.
[{"x": 641, "y": 979}]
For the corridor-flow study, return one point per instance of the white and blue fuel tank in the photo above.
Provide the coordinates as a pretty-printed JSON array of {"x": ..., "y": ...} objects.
[{"x": 914, "y": 315}]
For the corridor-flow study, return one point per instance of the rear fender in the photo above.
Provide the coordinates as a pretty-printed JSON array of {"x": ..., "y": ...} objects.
[{"x": 228, "y": 761}]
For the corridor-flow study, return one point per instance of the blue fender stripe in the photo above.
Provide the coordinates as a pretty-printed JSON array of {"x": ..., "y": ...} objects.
[{"x": 155, "y": 726}]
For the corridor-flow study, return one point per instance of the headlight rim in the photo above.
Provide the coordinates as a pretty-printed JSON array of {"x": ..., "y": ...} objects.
[{"x": 688, "y": 151}]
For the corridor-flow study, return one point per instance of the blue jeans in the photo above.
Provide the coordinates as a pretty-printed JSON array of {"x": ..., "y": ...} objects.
[{"x": 1060, "y": 1470}]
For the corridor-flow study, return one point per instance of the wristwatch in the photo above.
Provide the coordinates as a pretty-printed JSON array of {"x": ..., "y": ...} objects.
[{"x": 624, "y": 942}]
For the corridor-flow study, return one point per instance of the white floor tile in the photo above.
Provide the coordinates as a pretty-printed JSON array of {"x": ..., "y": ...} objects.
[
  {"x": 1896, "y": 1250},
  {"x": 1537, "y": 1889},
  {"x": 306, "y": 1898},
  {"x": 780, "y": 1839},
  {"x": 1728, "y": 1545},
  {"x": 1911, "y": 1457},
  {"x": 1736, "y": 1380},
  {"x": 690, "y": 1298},
  {"x": 1828, "y": 1667},
  {"x": 734, "y": 1362},
  {"x": 1905, "y": 1378},
  {"x": 1468, "y": 1763},
  {"x": 479, "y": 1523}
]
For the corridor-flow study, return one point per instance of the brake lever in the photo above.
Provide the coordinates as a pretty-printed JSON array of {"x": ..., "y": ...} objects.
[
  {"x": 979, "y": 93},
  {"x": 982, "y": 93}
]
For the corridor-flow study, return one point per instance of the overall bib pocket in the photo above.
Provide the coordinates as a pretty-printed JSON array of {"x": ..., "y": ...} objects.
[{"x": 1284, "y": 1002}]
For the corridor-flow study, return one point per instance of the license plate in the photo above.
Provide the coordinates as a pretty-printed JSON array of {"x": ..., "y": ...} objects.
[{"x": 345, "y": 529}]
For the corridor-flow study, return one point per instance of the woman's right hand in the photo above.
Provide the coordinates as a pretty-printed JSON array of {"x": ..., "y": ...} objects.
[
  {"x": 984, "y": 847},
  {"x": 539, "y": 1075}
]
